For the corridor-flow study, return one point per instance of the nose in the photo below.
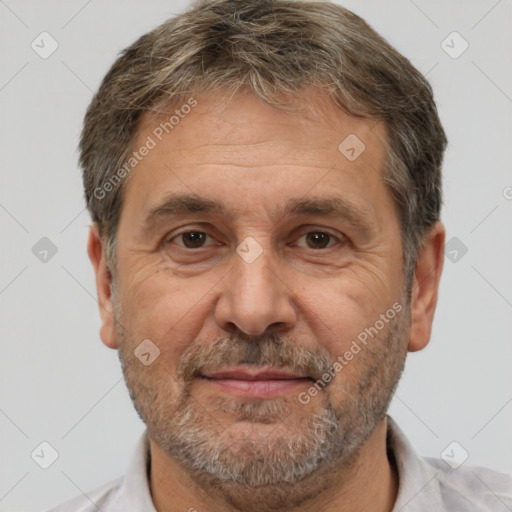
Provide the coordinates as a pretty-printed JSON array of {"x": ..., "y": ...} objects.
[{"x": 253, "y": 298}]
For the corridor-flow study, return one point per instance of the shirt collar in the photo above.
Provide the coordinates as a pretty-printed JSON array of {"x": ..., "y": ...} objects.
[
  {"x": 418, "y": 489},
  {"x": 135, "y": 494}
]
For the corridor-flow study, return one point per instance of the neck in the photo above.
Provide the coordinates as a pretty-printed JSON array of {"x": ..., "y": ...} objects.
[{"x": 370, "y": 483}]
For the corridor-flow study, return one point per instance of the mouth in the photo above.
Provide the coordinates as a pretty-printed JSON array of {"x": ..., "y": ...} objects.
[{"x": 260, "y": 382}]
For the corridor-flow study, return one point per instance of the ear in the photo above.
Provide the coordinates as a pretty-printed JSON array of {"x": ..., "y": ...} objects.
[
  {"x": 425, "y": 287},
  {"x": 103, "y": 287}
]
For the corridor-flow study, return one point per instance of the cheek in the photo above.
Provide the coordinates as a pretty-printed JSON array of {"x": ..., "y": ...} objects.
[
  {"x": 339, "y": 308},
  {"x": 167, "y": 310}
]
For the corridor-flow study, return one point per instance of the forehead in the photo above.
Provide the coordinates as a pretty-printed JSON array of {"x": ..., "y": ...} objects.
[
  {"x": 244, "y": 119},
  {"x": 222, "y": 143}
]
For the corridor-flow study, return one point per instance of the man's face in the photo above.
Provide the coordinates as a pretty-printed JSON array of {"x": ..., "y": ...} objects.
[{"x": 251, "y": 302}]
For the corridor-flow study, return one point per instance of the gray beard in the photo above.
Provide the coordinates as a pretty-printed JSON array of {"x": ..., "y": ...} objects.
[{"x": 276, "y": 467}]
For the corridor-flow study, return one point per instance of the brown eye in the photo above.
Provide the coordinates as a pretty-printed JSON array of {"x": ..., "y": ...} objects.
[
  {"x": 192, "y": 239},
  {"x": 318, "y": 239}
]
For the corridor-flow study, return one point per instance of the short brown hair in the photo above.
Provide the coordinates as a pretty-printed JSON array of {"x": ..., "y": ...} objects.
[{"x": 272, "y": 48}]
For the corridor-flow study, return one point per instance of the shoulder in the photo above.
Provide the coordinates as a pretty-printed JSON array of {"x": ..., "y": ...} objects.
[
  {"x": 473, "y": 488},
  {"x": 102, "y": 498},
  {"x": 433, "y": 485},
  {"x": 129, "y": 493}
]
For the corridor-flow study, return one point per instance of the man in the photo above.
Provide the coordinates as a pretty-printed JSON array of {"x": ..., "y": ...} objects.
[{"x": 264, "y": 182}]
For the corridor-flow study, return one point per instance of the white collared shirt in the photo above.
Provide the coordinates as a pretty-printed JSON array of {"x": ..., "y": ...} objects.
[{"x": 425, "y": 485}]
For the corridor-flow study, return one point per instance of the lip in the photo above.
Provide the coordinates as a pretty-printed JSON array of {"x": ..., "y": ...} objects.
[
  {"x": 256, "y": 382},
  {"x": 255, "y": 373}
]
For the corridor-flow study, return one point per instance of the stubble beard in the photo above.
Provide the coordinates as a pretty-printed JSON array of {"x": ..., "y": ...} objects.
[{"x": 265, "y": 459}]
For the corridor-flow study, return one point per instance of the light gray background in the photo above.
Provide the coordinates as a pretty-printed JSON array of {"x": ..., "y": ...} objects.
[{"x": 61, "y": 385}]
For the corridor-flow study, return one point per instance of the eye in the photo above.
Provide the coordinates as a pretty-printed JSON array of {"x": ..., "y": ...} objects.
[
  {"x": 312, "y": 240},
  {"x": 318, "y": 240},
  {"x": 190, "y": 239}
]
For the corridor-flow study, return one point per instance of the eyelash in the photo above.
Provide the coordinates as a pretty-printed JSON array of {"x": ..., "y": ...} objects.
[{"x": 339, "y": 240}]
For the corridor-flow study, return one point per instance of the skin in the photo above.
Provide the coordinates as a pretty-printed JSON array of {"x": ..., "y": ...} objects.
[{"x": 253, "y": 159}]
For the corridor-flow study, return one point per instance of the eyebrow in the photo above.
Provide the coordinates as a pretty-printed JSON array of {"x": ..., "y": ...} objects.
[{"x": 335, "y": 206}]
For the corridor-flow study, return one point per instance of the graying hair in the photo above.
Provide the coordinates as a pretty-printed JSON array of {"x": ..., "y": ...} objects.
[{"x": 275, "y": 49}]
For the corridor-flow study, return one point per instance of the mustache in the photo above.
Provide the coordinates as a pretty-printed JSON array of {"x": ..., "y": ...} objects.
[{"x": 269, "y": 350}]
